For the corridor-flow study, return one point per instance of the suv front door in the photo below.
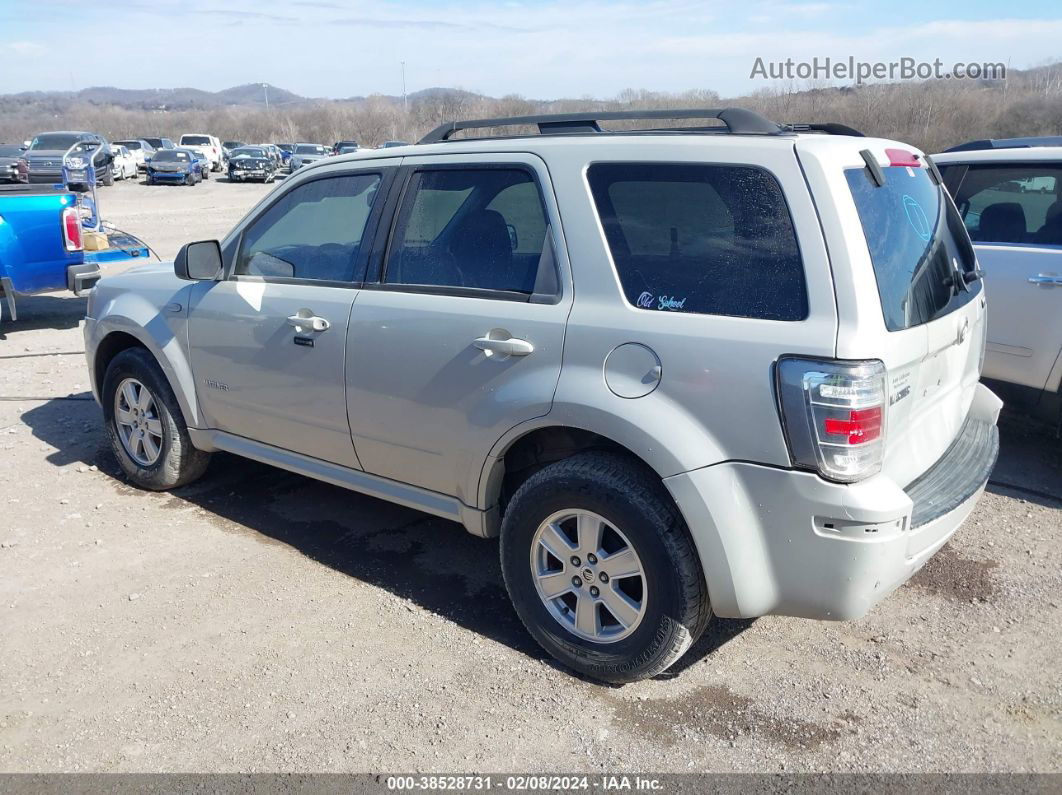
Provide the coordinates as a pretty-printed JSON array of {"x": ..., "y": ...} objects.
[
  {"x": 459, "y": 339},
  {"x": 268, "y": 341}
]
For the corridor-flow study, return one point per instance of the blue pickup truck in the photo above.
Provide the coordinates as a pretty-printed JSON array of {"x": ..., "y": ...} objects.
[{"x": 42, "y": 245}]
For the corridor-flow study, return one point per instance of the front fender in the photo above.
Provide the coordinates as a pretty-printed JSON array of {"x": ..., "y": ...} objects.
[{"x": 163, "y": 331}]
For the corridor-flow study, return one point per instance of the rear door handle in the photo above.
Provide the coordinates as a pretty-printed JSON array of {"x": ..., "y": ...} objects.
[
  {"x": 504, "y": 347},
  {"x": 1045, "y": 280},
  {"x": 308, "y": 321}
]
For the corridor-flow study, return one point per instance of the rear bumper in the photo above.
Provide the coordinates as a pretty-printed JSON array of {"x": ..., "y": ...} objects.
[
  {"x": 82, "y": 278},
  {"x": 777, "y": 541}
]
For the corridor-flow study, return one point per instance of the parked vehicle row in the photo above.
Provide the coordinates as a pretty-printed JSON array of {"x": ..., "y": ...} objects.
[{"x": 763, "y": 398}]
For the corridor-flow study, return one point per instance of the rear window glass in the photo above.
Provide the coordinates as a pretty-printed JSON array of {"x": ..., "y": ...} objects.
[
  {"x": 917, "y": 245},
  {"x": 194, "y": 139},
  {"x": 130, "y": 145},
  {"x": 708, "y": 239}
]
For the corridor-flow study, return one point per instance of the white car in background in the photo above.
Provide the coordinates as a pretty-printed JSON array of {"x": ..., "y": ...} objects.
[
  {"x": 124, "y": 165},
  {"x": 140, "y": 149},
  {"x": 1009, "y": 194},
  {"x": 210, "y": 146}
]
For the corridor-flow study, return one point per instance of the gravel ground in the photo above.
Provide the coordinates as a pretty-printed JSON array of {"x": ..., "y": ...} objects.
[{"x": 260, "y": 621}]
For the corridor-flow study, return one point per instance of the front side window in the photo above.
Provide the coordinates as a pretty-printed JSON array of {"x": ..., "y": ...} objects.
[
  {"x": 918, "y": 246},
  {"x": 471, "y": 228},
  {"x": 1019, "y": 203},
  {"x": 313, "y": 232},
  {"x": 708, "y": 239}
]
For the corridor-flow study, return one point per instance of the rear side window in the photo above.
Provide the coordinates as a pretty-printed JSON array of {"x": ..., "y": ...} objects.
[
  {"x": 918, "y": 246},
  {"x": 480, "y": 229},
  {"x": 1019, "y": 203},
  {"x": 709, "y": 239}
]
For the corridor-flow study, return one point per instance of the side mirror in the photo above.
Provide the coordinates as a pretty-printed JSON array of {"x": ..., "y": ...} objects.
[{"x": 200, "y": 261}]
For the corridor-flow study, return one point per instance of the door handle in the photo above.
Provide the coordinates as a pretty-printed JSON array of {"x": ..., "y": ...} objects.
[
  {"x": 1045, "y": 280},
  {"x": 308, "y": 321},
  {"x": 504, "y": 347}
]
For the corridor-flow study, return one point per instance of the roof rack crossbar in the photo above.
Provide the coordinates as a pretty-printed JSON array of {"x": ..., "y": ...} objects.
[{"x": 736, "y": 120}]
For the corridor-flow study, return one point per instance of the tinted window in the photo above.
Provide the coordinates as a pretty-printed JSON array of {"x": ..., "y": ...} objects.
[
  {"x": 130, "y": 145},
  {"x": 310, "y": 149},
  {"x": 10, "y": 151},
  {"x": 313, "y": 232},
  {"x": 917, "y": 244},
  {"x": 247, "y": 152},
  {"x": 698, "y": 238},
  {"x": 194, "y": 139},
  {"x": 473, "y": 228},
  {"x": 1012, "y": 204},
  {"x": 170, "y": 156}
]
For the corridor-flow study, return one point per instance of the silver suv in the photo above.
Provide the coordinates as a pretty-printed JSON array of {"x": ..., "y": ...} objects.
[{"x": 728, "y": 369}]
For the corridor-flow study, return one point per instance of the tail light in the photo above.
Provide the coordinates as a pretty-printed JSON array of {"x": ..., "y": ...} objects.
[
  {"x": 834, "y": 413},
  {"x": 72, "y": 230}
]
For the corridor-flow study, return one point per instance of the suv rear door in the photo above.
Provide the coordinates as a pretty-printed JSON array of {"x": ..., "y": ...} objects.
[
  {"x": 459, "y": 338},
  {"x": 899, "y": 252}
]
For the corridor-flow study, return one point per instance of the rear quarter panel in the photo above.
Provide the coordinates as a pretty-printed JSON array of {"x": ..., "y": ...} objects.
[{"x": 715, "y": 400}]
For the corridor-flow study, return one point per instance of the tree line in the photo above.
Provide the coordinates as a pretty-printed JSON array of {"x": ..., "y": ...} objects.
[{"x": 931, "y": 114}]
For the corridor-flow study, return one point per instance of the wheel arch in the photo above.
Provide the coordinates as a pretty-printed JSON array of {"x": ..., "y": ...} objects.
[
  {"x": 119, "y": 333},
  {"x": 530, "y": 446}
]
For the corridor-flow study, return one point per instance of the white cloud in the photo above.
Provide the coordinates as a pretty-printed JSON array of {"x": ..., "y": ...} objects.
[{"x": 23, "y": 48}]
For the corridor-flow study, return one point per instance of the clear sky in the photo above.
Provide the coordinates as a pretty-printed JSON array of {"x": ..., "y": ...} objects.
[{"x": 539, "y": 49}]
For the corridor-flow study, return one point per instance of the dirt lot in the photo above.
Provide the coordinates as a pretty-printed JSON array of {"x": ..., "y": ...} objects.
[{"x": 261, "y": 621}]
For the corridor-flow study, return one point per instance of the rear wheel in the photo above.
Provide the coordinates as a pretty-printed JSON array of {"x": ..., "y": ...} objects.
[
  {"x": 145, "y": 425},
  {"x": 601, "y": 568}
]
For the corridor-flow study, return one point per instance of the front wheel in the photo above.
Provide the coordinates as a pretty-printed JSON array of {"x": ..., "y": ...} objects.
[
  {"x": 601, "y": 568},
  {"x": 145, "y": 425}
]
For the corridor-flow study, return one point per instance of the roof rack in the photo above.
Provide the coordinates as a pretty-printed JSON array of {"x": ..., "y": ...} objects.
[{"x": 737, "y": 121}]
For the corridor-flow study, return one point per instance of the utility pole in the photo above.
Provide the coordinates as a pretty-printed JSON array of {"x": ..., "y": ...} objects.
[
  {"x": 265, "y": 88},
  {"x": 405, "y": 104}
]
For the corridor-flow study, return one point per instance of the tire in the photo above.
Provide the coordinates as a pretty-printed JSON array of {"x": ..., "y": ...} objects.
[
  {"x": 178, "y": 462},
  {"x": 669, "y": 592},
  {"x": 108, "y": 176}
]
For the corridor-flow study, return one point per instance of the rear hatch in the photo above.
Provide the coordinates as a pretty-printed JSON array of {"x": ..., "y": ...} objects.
[{"x": 907, "y": 292}]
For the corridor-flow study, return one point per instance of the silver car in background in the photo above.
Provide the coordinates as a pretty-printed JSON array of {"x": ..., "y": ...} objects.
[{"x": 305, "y": 154}]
